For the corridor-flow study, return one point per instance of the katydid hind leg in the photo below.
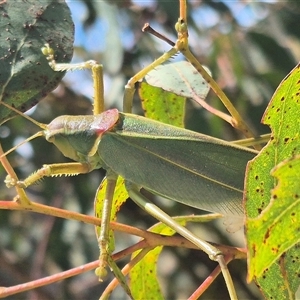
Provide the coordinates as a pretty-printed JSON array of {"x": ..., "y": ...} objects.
[
  {"x": 160, "y": 215},
  {"x": 213, "y": 252}
]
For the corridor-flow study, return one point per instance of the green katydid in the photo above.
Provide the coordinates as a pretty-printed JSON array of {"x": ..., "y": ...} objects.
[
  {"x": 178, "y": 164},
  {"x": 191, "y": 168}
]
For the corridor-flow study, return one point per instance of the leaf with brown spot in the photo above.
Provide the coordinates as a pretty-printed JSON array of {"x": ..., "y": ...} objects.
[
  {"x": 120, "y": 197},
  {"x": 271, "y": 234},
  {"x": 163, "y": 97},
  {"x": 25, "y": 75},
  {"x": 161, "y": 105}
]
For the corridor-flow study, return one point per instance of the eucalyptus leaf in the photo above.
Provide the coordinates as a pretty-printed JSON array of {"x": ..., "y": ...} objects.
[
  {"x": 180, "y": 78},
  {"x": 162, "y": 105},
  {"x": 120, "y": 196},
  {"x": 143, "y": 277},
  {"x": 271, "y": 223},
  {"x": 25, "y": 75}
]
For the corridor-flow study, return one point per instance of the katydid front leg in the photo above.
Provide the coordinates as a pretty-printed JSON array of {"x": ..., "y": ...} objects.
[
  {"x": 67, "y": 169},
  {"x": 97, "y": 73},
  {"x": 72, "y": 169}
]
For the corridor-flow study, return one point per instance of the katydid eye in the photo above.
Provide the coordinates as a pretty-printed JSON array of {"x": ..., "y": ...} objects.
[
  {"x": 56, "y": 127},
  {"x": 57, "y": 124}
]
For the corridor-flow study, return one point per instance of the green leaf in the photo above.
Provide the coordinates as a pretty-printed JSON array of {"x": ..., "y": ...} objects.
[
  {"x": 271, "y": 225},
  {"x": 120, "y": 196},
  {"x": 143, "y": 277},
  {"x": 280, "y": 280},
  {"x": 164, "y": 97},
  {"x": 25, "y": 76},
  {"x": 284, "y": 274},
  {"x": 161, "y": 105},
  {"x": 180, "y": 78}
]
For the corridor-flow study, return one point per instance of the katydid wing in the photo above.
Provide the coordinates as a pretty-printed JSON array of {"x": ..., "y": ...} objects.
[{"x": 178, "y": 164}]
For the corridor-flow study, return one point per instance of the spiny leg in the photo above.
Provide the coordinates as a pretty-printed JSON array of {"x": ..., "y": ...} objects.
[
  {"x": 22, "y": 197},
  {"x": 182, "y": 46},
  {"x": 104, "y": 207},
  {"x": 109, "y": 197},
  {"x": 67, "y": 169},
  {"x": 97, "y": 73},
  {"x": 130, "y": 86}
]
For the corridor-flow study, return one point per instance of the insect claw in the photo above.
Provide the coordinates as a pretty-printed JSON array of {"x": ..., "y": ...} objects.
[
  {"x": 11, "y": 182},
  {"x": 50, "y": 56}
]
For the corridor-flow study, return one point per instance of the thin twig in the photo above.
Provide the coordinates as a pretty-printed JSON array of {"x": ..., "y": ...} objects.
[{"x": 147, "y": 28}]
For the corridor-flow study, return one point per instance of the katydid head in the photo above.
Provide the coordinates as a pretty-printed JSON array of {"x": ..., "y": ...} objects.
[{"x": 77, "y": 137}]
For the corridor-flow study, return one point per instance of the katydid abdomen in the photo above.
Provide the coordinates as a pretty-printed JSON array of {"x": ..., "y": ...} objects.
[{"x": 178, "y": 164}]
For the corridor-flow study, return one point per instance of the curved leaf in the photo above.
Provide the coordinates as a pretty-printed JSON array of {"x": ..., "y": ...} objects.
[
  {"x": 270, "y": 225},
  {"x": 25, "y": 76},
  {"x": 180, "y": 78}
]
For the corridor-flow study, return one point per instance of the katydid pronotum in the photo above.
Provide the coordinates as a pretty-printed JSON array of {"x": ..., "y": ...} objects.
[{"x": 191, "y": 168}]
